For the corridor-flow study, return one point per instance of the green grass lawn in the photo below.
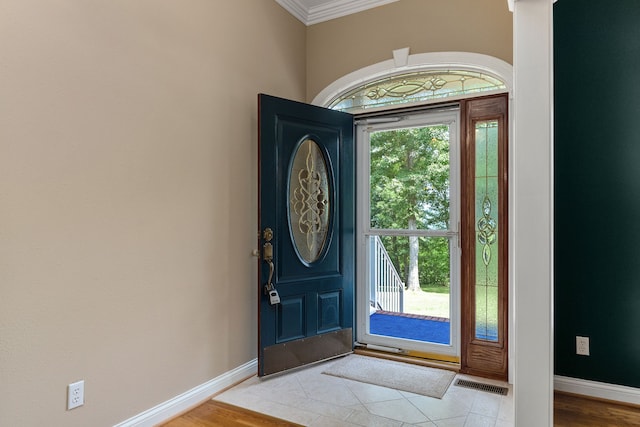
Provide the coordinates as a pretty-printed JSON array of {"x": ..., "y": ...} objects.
[
  {"x": 435, "y": 289},
  {"x": 427, "y": 303}
]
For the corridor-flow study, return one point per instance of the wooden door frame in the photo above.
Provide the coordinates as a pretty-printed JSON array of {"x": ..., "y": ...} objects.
[{"x": 480, "y": 357}]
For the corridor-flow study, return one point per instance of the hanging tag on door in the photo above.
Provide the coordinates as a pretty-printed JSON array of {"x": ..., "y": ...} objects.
[{"x": 274, "y": 298}]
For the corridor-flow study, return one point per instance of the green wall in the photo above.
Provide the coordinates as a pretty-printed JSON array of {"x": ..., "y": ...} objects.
[{"x": 597, "y": 188}]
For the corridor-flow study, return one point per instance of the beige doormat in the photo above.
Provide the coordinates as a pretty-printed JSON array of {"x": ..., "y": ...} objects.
[{"x": 388, "y": 373}]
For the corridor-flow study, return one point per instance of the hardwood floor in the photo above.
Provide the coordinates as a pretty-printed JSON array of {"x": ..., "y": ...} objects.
[
  {"x": 569, "y": 411},
  {"x": 219, "y": 414},
  {"x": 576, "y": 411}
]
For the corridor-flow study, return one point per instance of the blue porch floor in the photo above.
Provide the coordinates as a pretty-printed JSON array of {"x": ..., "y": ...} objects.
[{"x": 419, "y": 328}]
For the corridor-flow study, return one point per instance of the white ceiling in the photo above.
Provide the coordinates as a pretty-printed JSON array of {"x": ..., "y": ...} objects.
[{"x": 314, "y": 11}]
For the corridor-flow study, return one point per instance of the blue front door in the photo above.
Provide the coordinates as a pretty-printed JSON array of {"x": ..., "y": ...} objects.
[{"x": 306, "y": 213}]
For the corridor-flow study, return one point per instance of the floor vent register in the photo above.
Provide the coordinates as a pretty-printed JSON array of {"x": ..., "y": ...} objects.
[{"x": 489, "y": 388}]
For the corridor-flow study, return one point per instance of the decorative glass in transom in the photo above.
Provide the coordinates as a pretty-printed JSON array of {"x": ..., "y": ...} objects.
[{"x": 417, "y": 87}]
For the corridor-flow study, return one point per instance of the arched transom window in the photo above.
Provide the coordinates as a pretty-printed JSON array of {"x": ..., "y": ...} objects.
[
  {"x": 417, "y": 87},
  {"x": 417, "y": 79}
]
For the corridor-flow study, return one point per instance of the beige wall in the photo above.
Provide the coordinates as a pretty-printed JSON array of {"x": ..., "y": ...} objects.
[
  {"x": 128, "y": 197},
  {"x": 338, "y": 47},
  {"x": 128, "y": 183}
]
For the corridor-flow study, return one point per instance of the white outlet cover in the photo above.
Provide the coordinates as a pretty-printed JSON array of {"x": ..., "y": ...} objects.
[
  {"x": 582, "y": 346},
  {"x": 75, "y": 395}
]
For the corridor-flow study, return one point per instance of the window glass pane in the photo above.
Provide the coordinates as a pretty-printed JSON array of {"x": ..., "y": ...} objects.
[
  {"x": 409, "y": 285},
  {"x": 486, "y": 221},
  {"x": 416, "y": 87},
  {"x": 410, "y": 178}
]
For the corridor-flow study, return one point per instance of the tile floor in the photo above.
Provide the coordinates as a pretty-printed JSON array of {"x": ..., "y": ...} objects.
[{"x": 308, "y": 397}]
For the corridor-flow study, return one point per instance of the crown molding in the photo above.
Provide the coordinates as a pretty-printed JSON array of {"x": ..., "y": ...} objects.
[{"x": 329, "y": 9}]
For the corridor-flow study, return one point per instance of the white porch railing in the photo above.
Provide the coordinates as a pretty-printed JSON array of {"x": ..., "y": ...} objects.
[{"x": 387, "y": 289}]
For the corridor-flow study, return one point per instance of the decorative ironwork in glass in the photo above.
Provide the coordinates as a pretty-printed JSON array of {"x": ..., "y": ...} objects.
[
  {"x": 417, "y": 87},
  {"x": 486, "y": 230},
  {"x": 486, "y": 220},
  {"x": 309, "y": 197}
]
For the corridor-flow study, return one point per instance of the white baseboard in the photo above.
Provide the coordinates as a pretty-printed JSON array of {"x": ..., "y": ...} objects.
[
  {"x": 188, "y": 399},
  {"x": 618, "y": 393}
]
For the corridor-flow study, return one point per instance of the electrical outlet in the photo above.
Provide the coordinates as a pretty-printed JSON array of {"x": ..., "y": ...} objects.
[
  {"x": 582, "y": 346},
  {"x": 75, "y": 395}
]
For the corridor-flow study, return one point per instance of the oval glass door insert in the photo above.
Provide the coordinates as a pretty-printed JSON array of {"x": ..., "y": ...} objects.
[{"x": 310, "y": 203}]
